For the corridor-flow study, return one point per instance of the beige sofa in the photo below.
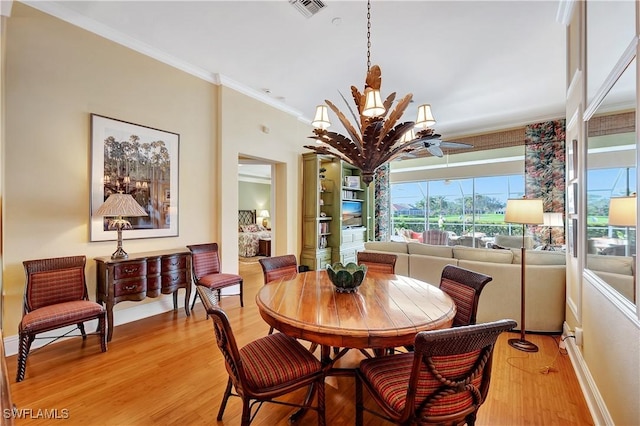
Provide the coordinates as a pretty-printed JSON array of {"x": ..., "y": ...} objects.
[
  {"x": 545, "y": 275},
  {"x": 617, "y": 271}
]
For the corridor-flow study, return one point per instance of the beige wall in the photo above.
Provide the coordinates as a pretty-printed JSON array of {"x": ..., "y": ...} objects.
[
  {"x": 56, "y": 75},
  {"x": 254, "y": 196},
  {"x": 241, "y": 134}
]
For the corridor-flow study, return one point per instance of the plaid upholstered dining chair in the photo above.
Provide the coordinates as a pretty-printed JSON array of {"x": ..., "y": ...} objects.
[
  {"x": 464, "y": 287},
  {"x": 56, "y": 296},
  {"x": 277, "y": 267},
  {"x": 266, "y": 368},
  {"x": 205, "y": 265},
  {"x": 444, "y": 381}
]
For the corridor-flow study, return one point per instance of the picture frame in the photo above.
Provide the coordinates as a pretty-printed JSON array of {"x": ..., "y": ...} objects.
[
  {"x": 138, "y": 160},
  {"x": 571, "y": 158},
  {"x": 572, "y": 197},
  {"x": 572, "y": 237},
  {"x": 352, "y": 182}
]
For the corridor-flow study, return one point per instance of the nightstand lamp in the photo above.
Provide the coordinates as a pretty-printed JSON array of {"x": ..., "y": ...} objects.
[
  {"x": 118, "y": 206},
  {"x": 264, "y": 214}
]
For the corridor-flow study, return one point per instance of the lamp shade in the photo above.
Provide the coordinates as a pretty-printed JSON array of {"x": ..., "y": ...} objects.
[
  {"x": 408, "y": 136},
  {"x": 622, "y": 211},
  {"x": 425, "y": 117},
  {"x": 321, "y": 119},
  {"x": 373, "y": 105},
  {"x": 120, "y": 205},
  {"x": 264, "y": 213},
  {"x": 527, "y": 211},
  {"x": 552, "y": 219}
]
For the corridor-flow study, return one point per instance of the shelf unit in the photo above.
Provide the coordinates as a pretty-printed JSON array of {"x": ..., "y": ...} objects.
[
  {"x": 329, "y": 234},
  {"x": 318, "y": 203}
]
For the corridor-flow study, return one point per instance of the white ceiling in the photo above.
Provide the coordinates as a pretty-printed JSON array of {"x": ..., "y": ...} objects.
[{"x": 482, "y": 65}]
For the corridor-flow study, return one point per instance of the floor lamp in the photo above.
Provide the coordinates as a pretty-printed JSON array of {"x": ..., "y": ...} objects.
[{"x": 526, "y": 211}]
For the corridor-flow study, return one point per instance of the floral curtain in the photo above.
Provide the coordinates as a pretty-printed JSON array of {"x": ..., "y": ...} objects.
[
  {"x": 382, "y": 210},
  {"x": 544, "y": 167}
]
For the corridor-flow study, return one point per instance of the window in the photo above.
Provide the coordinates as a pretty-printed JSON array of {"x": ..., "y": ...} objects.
[{"x": 471, "y": 210}]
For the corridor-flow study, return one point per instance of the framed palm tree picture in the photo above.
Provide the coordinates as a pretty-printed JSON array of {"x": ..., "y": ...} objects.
[{"x": 137, "y": 160}]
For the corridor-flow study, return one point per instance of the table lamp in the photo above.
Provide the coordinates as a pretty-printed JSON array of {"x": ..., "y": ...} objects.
[
  {"x": 119, "y": 206},
  {"x": 551, "y": 220},
  {"x": 264, "y": 214},
  {"x": 527, "y": 211}
]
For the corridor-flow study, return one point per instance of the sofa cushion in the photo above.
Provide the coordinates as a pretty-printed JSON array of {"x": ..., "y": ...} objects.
[
  {"x": 391, "y": 246},
  {"x": 614, "y": 264},
  {"x": 513, "y": 241},
  {"x": 482, "y": 254},
  {"x": 540, "y": 257},
  {"x": 430, "y": 250}
]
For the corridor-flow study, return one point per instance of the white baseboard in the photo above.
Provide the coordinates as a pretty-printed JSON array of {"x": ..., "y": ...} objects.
[
  {"x": 121, "y": 316},
  {"x": 596, "y": 404}
]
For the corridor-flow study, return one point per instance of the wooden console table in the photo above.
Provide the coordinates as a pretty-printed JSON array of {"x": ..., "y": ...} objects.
[{"x": 140, "y": 276}]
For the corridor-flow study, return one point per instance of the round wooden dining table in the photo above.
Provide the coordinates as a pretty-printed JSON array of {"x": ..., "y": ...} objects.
[{"x": 386, "y": 311}]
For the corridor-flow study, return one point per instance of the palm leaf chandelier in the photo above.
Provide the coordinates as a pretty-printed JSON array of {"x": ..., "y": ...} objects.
[{"x": 376, "y": 139}]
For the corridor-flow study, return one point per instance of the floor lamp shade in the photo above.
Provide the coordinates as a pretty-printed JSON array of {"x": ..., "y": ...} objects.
[
  {"x": 118, "y": 206},
  {"x": 526, "y": 211},
  {"x": 622, "y": 211}
]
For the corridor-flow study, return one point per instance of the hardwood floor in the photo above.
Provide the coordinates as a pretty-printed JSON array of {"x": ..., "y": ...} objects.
[{"x": 167, "y": 369}]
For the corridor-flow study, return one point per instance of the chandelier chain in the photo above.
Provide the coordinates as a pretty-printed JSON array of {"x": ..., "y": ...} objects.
[{"x": 368, "y": 35}]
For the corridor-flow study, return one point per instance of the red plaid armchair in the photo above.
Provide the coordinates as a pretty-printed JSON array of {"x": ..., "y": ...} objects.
[{"x": 56, "y": 296}]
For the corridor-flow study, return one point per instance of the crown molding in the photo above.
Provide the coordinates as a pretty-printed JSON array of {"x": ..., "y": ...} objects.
[
  {"x": 109, "y": 33},
  {"x": 5, "y": 7},
  {"x": 565, "y": 11}
]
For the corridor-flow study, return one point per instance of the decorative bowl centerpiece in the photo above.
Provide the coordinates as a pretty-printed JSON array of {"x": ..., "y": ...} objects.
[{"x": 346, "y": 278}]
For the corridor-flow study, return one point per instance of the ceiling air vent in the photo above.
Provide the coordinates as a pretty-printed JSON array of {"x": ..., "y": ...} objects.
[{"x": 308, "y": 7}]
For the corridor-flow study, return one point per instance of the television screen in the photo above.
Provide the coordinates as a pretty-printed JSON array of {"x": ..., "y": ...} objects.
[{"x": 351, "y": 213}]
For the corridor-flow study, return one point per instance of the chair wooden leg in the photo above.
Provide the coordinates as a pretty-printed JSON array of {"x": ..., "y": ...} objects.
[
  {"x": 271, "y": 330},
  {"x": 321, "y": 402},
  {"x": 225, "y": 398},
  {"x": 195, "y": 297},
  {"x": 246, "y": 412},
  {"x": 471, "y": 419},
  {"x": 359, "y": 399},
  {"x": 23, "y": 353},
  {"x": 241, "y": 300},
  {"x": 102, "y": 330},
  {"x": 81, "y": 328}
]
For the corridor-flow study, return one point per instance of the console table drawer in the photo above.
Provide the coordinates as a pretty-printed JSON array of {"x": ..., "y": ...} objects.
[
  {"x": 154, "y": 266},
  {"x": 174, "y": 262},
  {"x": 127, "y": 287},
  {"x": 130, "y": 270},
  {"x": 172, "y": 280}
]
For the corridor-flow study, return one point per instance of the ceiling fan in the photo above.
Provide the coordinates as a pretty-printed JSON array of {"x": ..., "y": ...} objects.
[
  {"x": 435, "y": 146},
  {"x": 430, "y": 142}
]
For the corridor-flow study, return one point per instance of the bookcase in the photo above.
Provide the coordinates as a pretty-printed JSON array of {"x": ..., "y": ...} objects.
[{"x": 335, "y": 211}]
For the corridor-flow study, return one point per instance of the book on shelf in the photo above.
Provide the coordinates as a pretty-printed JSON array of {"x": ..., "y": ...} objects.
[{"x": 323, "y": 227}]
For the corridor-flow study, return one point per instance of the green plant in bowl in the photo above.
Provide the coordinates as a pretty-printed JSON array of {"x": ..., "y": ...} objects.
[{"x": 346, "y": 278}]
